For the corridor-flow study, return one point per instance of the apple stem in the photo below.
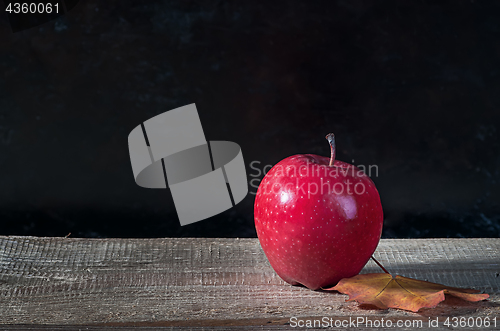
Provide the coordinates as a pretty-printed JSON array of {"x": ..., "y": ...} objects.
[
  {"x": 331, "y": 139},
  {"x": 381, "y": 266}
]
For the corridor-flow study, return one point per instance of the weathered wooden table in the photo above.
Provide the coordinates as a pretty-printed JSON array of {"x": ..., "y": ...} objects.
[{"x": 206, "y": 284}]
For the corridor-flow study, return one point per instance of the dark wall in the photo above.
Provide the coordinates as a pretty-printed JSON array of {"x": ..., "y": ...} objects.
[{"x": 411, "y": 87}]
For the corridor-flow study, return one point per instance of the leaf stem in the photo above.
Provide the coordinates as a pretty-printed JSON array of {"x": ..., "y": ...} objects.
[{"x": 381, "y": 266}]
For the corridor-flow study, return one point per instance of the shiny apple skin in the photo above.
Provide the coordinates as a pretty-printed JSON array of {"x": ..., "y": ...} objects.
[{"x": 317, "y": 238}]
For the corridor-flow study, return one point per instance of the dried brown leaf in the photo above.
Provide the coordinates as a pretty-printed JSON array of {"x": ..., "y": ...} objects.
[{"x": 385, "y": 291}]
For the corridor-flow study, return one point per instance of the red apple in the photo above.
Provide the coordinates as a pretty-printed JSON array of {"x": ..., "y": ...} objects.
[{"x": 318, "y": 220}]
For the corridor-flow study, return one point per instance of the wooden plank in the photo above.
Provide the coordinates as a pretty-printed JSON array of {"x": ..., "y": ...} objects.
[{"x": 213, "y": 283}]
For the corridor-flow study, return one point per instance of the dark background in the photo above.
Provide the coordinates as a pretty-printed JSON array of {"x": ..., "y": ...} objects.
[{"x": 412, "y": 87}]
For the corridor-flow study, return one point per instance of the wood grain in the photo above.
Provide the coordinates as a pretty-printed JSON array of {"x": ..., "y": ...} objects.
[{"x": 200, "y": 283}]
